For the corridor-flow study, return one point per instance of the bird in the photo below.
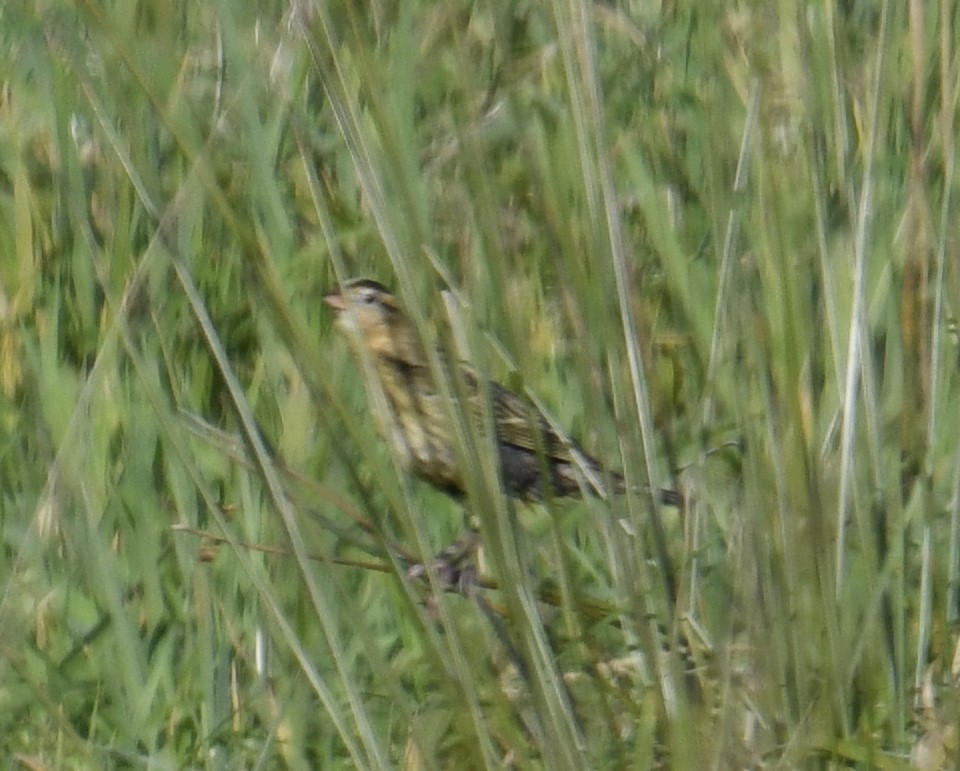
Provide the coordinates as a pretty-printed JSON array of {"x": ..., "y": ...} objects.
[{"x": 419, "y": 428}]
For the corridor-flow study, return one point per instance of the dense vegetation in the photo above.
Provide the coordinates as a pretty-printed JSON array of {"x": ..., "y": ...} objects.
[{"x": 716, "y": 242}]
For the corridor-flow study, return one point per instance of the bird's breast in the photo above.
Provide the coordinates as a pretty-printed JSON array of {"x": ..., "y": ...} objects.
[{"x": 419, "y": 427}]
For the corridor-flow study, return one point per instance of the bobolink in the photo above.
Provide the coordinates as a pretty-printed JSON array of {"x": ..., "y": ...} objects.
[{"x": 419, "y": 426}]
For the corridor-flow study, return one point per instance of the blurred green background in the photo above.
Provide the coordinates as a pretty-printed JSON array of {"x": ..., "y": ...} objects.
[{"x": 716, "y": 241}]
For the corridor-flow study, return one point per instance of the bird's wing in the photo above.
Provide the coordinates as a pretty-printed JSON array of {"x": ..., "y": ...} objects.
[{"x": 518, "y": 421}]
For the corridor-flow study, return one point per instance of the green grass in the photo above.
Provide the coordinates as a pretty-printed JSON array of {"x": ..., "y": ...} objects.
[{"x": 715, "y": 243}]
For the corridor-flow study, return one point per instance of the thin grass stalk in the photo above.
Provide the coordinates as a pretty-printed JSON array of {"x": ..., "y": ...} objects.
[
  {"x": 562, "y": 741},
  {"x": 953, "y": 567},
  {"x": 856, "y": 339},
  {"x": 321, "y": 603},
  {"x": 924, "y": 614},
  {"x": 728, "y": 252},
  {"x": 576, "y": 44},
  {"x": 941, "y": 375},
  {"x": 722, "y": 300},
  {"x": 369, "y": 178}
]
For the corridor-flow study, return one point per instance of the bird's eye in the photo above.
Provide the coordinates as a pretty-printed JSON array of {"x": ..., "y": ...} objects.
[{"x": 369, "y": 297}]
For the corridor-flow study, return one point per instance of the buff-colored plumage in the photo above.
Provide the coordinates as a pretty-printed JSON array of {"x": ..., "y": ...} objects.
[{"x": 417, "y": 422}]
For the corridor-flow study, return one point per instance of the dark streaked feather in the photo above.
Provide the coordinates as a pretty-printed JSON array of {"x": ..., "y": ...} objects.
[{"x": 418, "y": 426}]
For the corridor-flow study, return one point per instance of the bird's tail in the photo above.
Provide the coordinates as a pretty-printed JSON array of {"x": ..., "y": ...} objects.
[
  {"x": 666, "y": 496},
  {"x": 572, "y": 476}
]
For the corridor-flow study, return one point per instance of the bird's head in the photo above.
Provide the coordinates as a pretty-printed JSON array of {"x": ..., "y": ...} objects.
[{"x": 367, "y": 309}]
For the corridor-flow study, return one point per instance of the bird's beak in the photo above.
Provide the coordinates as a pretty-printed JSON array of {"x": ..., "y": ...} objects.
[{"x": 335, "y": 300}]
